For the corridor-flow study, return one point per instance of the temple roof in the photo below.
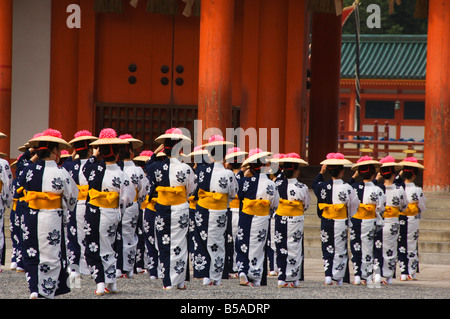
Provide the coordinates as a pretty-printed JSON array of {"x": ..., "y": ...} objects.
[{"x": 385, "y": 56}]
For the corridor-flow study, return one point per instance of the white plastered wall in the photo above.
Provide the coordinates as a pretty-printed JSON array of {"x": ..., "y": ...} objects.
[{"x": 30, "y": 70}]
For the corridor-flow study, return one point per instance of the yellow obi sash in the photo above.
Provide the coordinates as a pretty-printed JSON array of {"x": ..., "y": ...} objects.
[
  {"x": 290, "y": 208},
  {"x": 42, "y": 200},
  {"x": 235, "y": 203},
  {"x": 149, "y": 204},
  {"x": 411, "y": 210},
  {"x": 15, "y": 200},
  {"x": 83, "y": 191},
  {"x": 215, "y": 201},
  {"x": 256, "y": 207},
  {"x": 192, "y": 202},
  {"x": 103, "y": 199},
  {"x": 169, "y": 196},
  {"x": 333, "y": 211},
  {"x": 391, "y": 211},
  {"x": 365, "y": 211}
]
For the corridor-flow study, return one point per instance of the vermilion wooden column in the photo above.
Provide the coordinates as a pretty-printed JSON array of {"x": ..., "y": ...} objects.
[
  {"x": 297, "y": 64},
  {"x": 86, "y": 67},
  {"x": 324, "y": 94},
  {"x": 272, "y": 70},
  {"x": 437, "y": 99},
  {"x": 250, "y": 41},
  {"x": 63, "y": 71},
  {"x": 6, "y": 14},
  {"x": 216, "y": 35}
]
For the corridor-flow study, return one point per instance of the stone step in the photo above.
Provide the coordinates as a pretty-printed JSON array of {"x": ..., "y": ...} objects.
[
  {"x": 434, "y": 258},
  {"x": 433, "y": 247},
  {"x": 434, "y": 235},
  {"x": 435, "y": 224}
]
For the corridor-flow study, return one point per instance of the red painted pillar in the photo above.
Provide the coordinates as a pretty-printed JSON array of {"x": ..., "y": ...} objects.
[
  {"x": 271, "y": 111},
  {"x": 324, "y": 94},
  {"x": 6, "y": 14},
  {"x": 297, "y": 64},
  {"x": 63, "y": 71},
  {"x": 437, "y": 99},
  {"x": 86, "y": 67},
  {"x": 216, "y": 38}
]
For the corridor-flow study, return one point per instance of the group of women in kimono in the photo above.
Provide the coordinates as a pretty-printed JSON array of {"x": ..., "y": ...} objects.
[
  {"x": 107, "y": 213},
  {"x": 382, "y": 219}
]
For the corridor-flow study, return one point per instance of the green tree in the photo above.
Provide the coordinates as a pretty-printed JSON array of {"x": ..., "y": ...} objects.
[{"x": 402, "y": 21}]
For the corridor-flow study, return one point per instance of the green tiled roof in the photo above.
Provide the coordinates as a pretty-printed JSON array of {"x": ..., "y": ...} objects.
[{"x": 385, "y": 56}]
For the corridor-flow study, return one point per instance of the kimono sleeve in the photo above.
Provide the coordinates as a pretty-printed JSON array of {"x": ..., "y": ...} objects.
[
  {"x": 402, "y": 196},
  {"x": 381, "y": 206},
  {"x": 422, "y": 201},
  {"x": 191, "y": 183},
  {"x": 127, "y": 193},
  {"x": 7, "y": 180},
  {"x": 317, "y": 185},
  {"x": 275, "y": 200},
  {"x": 306, "y": 197},
  {"x": 70, "y": 192},
  {"x": 144, "y": 185},
  {"x": 353, "y": 202},
  {"x": 233, "y": 186}
]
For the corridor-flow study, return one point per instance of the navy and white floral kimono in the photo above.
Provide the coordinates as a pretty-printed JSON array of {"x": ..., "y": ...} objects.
[
  {"x": 127, "y": 237},
  {"x": 232, "y": 228},
  {"x": 75, "y": 221},
  {"x": 6, "y": 198},
  {"x": 148, "y": 224},
  {"x": 386, "y": 240},
  {"x": 105, "y": 181},
  {"x": 289, "y": 223},
  {"x": 336, "y": 203},
  {"x": 259, "y": 197},
  {"x": 50, "y": 193},
  {"x": 217, "y": 186},
  {"x": 364, "y": 225},
  {"x": 408, "y": 249},
  {"x": 16, "y": 215},
  {"x": 175, "y": 183}
]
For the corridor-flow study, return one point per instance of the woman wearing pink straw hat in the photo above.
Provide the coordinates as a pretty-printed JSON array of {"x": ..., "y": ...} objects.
[
  {"x": 216, "y": 187},
  {"x": 336, "y": 203},
  {"x": 110, "y": 192},
  {"x": 50, "y": 193},
  {"x": 366, "y": 221},
  {"x": 408, "y": 252},
  {"x": 386, "y": 240},
  {"x": 75, "y": 224},
  {"x": 174, "y": 183},
  {"x": 289, "y": 221},
  {"x": 127, "y": 231},
  {"x": 259, "y": 197}
]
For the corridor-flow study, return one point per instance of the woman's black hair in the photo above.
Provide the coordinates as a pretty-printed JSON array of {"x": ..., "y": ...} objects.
[
  {"x": 255, "y": 167},
  {"x": 109, "y": 152},
  {"x": 289, "y": 169},
  {"x": 366, "y": 171},
  {"x": 387, "y": 171},
  {"x": 236, "y": 162},
  {"x": 409, "y": 172},
  {"x": 169, "y": 144},
  {"x": 44, "y": 149},
  {"x": 124, "y": 151},
  {"x": 335, "y": 170},
  {"x": 218, "y": 153},
  {"x": 82, "y": 148}
]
